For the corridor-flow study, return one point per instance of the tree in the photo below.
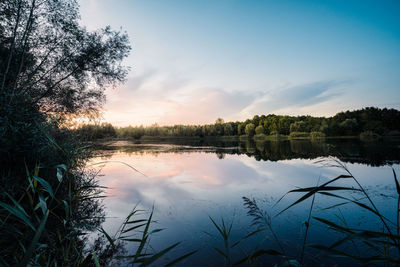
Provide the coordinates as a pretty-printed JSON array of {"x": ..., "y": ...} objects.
[
  {"x": 270, "y": 124},
  {"x": 260, "y": 129},
  {"x": 48, "y": 58},
  {"x": 284, "y": 125},
  {"x": 228, "y": 129},
  {"x": 249, "y": 130},
  {"x": 241, "y": 128},
  {"x": 219, "y": 121},
  {"x": 219, "y": 128},
  {"x": 298, "y": 126},
  {"x": 50, "y": 65},
  {"x": 256, "y": 120},
  {"x": 349, "y": 125}
]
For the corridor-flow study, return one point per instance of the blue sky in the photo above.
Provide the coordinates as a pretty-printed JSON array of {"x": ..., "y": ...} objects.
[{"x": 195, "y": 61}]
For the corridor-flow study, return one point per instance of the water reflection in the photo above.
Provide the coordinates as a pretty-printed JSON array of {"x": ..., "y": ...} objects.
[
  {"x": 189, "y": 183},
  {"x": 377, "y": 153}
]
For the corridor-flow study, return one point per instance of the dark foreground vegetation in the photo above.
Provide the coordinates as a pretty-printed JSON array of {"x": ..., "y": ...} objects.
[
  {"x": 48, "y": 200},
  {"x": 368, "y": 123}
]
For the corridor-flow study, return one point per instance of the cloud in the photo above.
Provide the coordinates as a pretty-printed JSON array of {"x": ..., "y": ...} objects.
[
  {"x": 205, "y": 105},
  {"x": 295, "y": 97},
  {"x": 136, "y": 82},
  {"x": 168, "y": 98}
]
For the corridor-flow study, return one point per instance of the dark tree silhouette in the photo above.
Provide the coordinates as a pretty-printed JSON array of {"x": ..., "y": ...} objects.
[{"x": 48, "y": 57}]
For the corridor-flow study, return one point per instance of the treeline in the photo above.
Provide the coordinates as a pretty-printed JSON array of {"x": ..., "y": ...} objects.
[{"x": 367, "y": 122}]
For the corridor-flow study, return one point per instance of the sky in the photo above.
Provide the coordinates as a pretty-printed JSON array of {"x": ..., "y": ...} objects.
[{"x": 195, "y": 61}]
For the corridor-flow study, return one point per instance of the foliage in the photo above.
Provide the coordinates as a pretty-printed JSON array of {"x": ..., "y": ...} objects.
[
  {"x": 349, "y": 123},
  {"x": 299, "y": 134},
  {"x": 93, "y": 132},
  {"x": 317, "y": 135},
  {"x": 259, "y": 137},
  {"x": 249, "y": 130},
  {"x": 50, "y": 66},
  {"x": 136, "y": 230},
  {"x": 298, "y": 126},
  {"x": 368, "y": 136},
  {"x": 260, "y": 129},
  {"x": 46, "y": 55},
  {"x": 45, "y": 191}
]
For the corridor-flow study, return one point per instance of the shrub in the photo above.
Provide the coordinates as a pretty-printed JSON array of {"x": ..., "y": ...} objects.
[
  {"x": 369, "y": 136},
  {"x": 249, "y": 130},
  {"x": 260, "y": 129},
  {"x": 299, "y": 134},
  {"x": 259, "y": 137},
  {"x": 46, "y": 191},
  {"x": 317, "y": 135}
]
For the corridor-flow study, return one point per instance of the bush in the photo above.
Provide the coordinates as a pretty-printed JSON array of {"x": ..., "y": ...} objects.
[
  {"x": 369, "y": 136},
  {"x": 299, "y": 134},
  {"x": 93, "y": 132},
  {"x": 131, "y": 132},
  {"x": 260, "y": 129},
  {"x": 317, "y": 135},
  {"x": 259, "y": 137},
  {"x": 43, "y": 178},
  {"x": 249, "y": 130}
]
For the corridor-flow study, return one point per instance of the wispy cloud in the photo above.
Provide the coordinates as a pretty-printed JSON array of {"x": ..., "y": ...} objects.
[
  {"x": 204, "y": 105},
  {"x": 296, "y": 96},
  {"x": 166, "y": 100}
]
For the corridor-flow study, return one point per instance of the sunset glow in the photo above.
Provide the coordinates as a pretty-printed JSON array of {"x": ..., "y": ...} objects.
[{"x": 195, "y": 61}]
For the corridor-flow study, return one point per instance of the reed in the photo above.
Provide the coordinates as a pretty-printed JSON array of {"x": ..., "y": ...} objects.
[
  {"x": 380, "y": 244},
  {"x": 371, "y": 247},
  {"x": 224, "y": 231},
  {"x": 41, "y": 245}
]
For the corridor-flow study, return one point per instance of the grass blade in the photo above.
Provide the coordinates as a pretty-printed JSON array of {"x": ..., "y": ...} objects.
[
  {"x": 32, "y": 246},
  {"x": 45, "y": 184},
  {"x": 158, "y": 255},
  {"x": 181, "y": 258},
  {"x": 17, "y": 213}
]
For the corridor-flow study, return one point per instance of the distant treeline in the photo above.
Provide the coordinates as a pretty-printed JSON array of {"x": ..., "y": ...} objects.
[{"x": 367, "y": 122}]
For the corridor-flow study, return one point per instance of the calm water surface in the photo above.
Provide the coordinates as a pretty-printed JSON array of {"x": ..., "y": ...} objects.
[{"x": 189, "y": 182}]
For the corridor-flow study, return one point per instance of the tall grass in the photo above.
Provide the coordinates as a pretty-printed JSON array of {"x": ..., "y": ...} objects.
[
  {"x": 43, "y": 226},
  {"x": 224, "y": 232},
  {"x": 137, "y": 231},
  {"x": 62, "y": 241}
]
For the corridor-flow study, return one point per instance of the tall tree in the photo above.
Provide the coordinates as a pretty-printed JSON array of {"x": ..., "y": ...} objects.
[{"x": 46, "y": 56}]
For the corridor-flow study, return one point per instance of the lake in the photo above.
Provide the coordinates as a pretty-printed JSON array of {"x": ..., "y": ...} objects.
[{"x": 190, "y": 181}]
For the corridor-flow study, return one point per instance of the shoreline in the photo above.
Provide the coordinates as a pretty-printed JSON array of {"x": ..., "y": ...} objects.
[{"x": 242, "y": 138}]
